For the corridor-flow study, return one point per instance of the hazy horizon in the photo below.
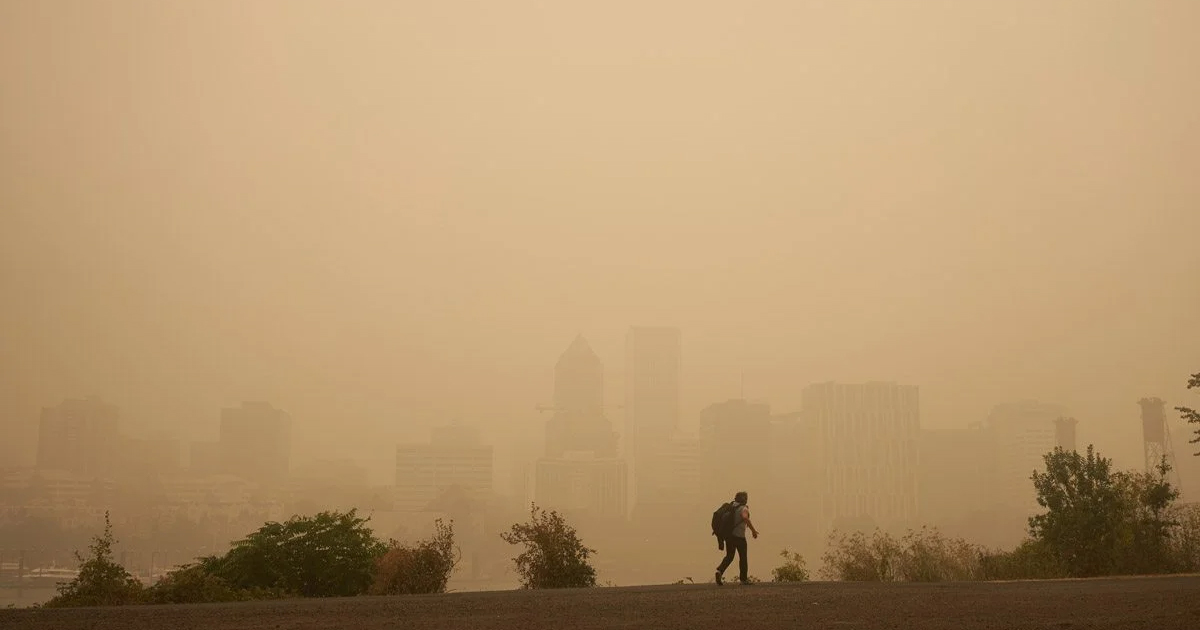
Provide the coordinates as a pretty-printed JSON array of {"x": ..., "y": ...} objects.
[{"x": 383, "y": 216}]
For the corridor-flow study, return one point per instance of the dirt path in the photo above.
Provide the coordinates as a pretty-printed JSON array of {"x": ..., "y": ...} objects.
[{"x": 1168, "y": 603}]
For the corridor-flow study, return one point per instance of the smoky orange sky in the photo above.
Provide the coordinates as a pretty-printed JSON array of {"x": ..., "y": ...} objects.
[{"x": 382, "y": 216}]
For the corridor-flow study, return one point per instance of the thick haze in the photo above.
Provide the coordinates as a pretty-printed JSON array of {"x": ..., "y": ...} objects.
[{"x": 381, "y": 216}]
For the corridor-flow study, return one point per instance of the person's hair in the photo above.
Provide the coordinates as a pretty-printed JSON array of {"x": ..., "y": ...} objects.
[{"x": 741, "y": 497}]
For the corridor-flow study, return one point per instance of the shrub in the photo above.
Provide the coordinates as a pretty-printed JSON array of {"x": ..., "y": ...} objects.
[
  {"x": 101, "y": 581},
  {"x": 1185, "y": 538},
  {"x": 928, "y": 556},
  {"x": 1031, "y": 560},
  {"x": 855, "y": 558},
  {"x": 190, "y": 584},
  {"x": 923, "y": 555},
  {"x": 792, "y": 569},
  {"x": 554, "y": 556},
  {"x": 421, "y": 568},
  {"x": 331, "y": 554}
]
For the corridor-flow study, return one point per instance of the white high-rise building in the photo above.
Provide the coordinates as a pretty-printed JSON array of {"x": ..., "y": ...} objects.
[
  {"x": 652, "y": 366},
  {"x": 453, "y": 458},
  {"x": 866, "y": 449}
]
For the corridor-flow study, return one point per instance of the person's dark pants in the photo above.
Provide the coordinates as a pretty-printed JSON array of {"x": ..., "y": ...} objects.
[{"x": 735, "y": 544}]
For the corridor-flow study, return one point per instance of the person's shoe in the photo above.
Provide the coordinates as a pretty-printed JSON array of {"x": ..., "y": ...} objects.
[
  {"x": 720, "y": 579},
  {"x": 746, "y": 582}
]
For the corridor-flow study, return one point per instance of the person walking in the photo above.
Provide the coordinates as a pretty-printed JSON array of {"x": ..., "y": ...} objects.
[{"x": 736, "y": 541}]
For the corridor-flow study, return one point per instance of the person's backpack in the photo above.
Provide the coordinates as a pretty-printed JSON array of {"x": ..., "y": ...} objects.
[{"x": 723, "y": 521}]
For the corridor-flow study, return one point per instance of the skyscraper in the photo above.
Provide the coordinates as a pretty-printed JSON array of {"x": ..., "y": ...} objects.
[
  {"x": 579, "y": 423},
  {"x": 867, "y": 445},
  {"x": 652, "y": 366},
  {"x": 80, "y": 436},
  {"x": 580, "y": 470},
  {"x": 256, "y": 442}
]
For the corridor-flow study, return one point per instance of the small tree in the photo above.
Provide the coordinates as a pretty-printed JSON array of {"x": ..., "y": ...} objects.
[
  {"x": 554, "y": 556},
  {"x": 1083, "y": 511},
  {"x": 421, "y": 568},
  {"x": 792, "y": 569},
  {"x": 1101, "y": 522},
  {"x": 1191, "y": 415},
  {"x": 101, "y": 581}
]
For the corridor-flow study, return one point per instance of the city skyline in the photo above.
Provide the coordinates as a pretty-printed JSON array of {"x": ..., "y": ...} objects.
[
  {"x": 615, "y": 403},
  {"x": 867, "y": 261}
]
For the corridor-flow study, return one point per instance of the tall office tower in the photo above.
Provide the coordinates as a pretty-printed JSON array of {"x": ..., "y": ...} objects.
[
  {"x": 580, "y": 470},
  {"x": 256, "y": 442},
  {"x": 579, "y": 423},
  {"x": 80, "y": 436},
  {"x": 868, "y": 448},
  {"x": 652, "y": 365},
  {"x": 1022, "y": 433},
  {"x": 453, "y": 458}
]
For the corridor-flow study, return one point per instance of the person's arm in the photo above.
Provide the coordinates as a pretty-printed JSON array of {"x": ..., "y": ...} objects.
[{"x": 746, "y": 518}]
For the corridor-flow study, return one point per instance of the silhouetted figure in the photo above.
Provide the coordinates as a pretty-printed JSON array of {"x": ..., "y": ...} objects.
[{"x": 735, "y": 541}]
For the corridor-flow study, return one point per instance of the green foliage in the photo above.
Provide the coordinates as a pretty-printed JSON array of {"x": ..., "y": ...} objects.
[
  {"x": 331, "y": 554},
  {"x": 1099, "y": 521},
  {"x": 421, "y": 568},
  {"x": 1191, "y": 415},
  {"x": 792, "y": 569},
  {"x": 1031, "y": 560},
  {"x": 193, "y": 584},
  {"x": 101, "y": 581},
  {"x": 1185, "y": 538},
  {"x": 554, "y": 556},
  {"x": 924, "y": 555}
]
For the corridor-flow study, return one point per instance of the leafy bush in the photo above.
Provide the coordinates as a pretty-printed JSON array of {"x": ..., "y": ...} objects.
[
  {"x": 331, "y": 554},
  {"x": 193, "y": 584},
  {"x": 1185, "y": 539},
  {"x": 1029, "y": 561},
  {"x": 554, "y": 556},
  {"x": 924, "y": 555},
  {"x": 421, "y": 568},
  {"x": 855, "y": 558},
  {"x": 792, "y": 569},
  {"x": 101, "y": 581},
  {"x": 928, "y": 556}
]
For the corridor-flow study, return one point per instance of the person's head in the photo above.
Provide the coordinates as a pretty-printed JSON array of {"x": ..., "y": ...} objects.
[{"x": 741, "y": 497}]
